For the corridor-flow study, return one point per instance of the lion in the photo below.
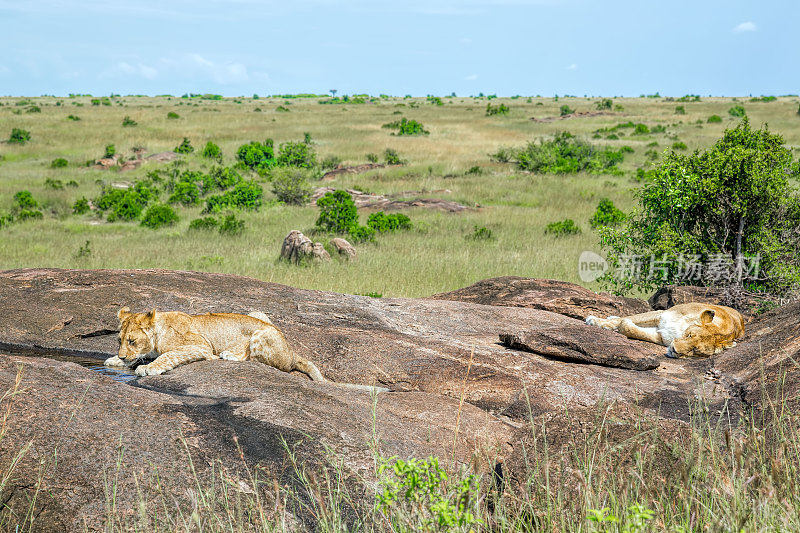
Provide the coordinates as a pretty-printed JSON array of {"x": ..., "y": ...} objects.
[
  {"x": 688, "y": 330},
  {"x": 178, "y": 338}
]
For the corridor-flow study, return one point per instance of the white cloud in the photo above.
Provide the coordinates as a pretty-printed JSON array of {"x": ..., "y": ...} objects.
[
  {"x": 123, "y": 68},
  {"x": 471, "y": 77},
  {"x": 745, "y": 27},
  {"x": 571, "y": 67}
]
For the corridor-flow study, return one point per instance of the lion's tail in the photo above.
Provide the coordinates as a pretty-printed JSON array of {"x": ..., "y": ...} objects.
[
  {"x": 261, "y": 316},
  {"x": 309, "y": 368}
]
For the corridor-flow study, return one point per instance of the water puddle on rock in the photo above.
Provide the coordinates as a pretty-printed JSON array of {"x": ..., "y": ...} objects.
[{"x": 115, "y": 373}]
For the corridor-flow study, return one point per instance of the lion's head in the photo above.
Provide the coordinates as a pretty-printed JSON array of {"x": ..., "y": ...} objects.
[
  {"x": 701, "y": 339},
  {"x": 136, "y": 334}
]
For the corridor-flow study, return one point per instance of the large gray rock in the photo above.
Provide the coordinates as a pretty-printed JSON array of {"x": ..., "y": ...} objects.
[{"x": 297, "y": 248}]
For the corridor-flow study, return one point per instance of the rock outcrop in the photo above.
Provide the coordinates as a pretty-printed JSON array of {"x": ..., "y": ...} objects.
[
  {"x": 378, "y": 202},
  {"x": 297, "y": 248},
  {"x": 545, "y": 294},
  {"x": 343, "y": 248}
]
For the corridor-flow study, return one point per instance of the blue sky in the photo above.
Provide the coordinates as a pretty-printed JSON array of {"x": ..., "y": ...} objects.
[{"x": 419, "y": 47}]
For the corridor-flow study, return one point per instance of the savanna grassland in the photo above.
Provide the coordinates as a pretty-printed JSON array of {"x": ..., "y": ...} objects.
[{"x": 438, "y": 254}]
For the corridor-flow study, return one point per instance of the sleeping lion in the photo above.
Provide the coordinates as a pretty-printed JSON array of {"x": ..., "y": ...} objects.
[
  {"x": 179, "y": 338},
  {"x": 688, "y": 330}
]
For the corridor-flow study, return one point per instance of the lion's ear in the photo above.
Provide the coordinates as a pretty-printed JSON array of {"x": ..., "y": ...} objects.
[
  {"x": 124, "y": 313},
  {"x": 706, "y": 316},
  {"x": 151, "y": 316}
]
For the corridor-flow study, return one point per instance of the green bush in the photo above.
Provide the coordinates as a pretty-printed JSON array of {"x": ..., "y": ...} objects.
[
  {"x": 25, "y": 200},
  {"x": 212, "y": 151},
  {"x": 185, "y": 193},
  {"x": 50, "y": 183},
  {"x": 726, "y": 206},
  {"x": 381, "y": 222},
  {"x": 59, "y": 162},
  {"x": 110, "y": 152},
  {"x": 337, "y": 212},
  {"x": 474, "y": 171},
  {"x": 19, "y": 136},
  {"x": 172, "y": 115},
  {"x": 231, "y": 225},
  {"x": 185, "y": 147},
  {"x": 73, "y": 117},
  {"x": 158, "y": 216},
  {"x": 128, "y": 122},
  {"x": 679, "y": 145},
  {"x": 81, "y": 206},
  {"x": 331, "y": 162},
  {"x": 501, "y": 109},
  {"x": 481, "y": 233},
  {"x": 204, "y": 223},
  {"x": 29, "y": 214},
  {"x": 72, "y": 183},
  {"x": 290, "y": 185},
  {"x": 282, "y": 109},
  {"x": 641, "y": 129},
  {"x": 563, "y": 227},
  {"x": 34, "y": 109},
  {"x": 737, "y": 111},
  {"x": 361, "y": 234},
  {"x": 256, "y": 155},
  {"x": 224, "y": 177},
  {"x": 566, "y": 110},
  {"x": 714, "y": 119},
  {"x": 5, "y": 220},
  {"x": 296, "y": 154},
  {"x": 244, "y": 195},
  {"x": 372, "y": 158},
  {"x": 607, "y": 214},
  {"x": 407, "y": 127},
  {"x": 564, "y": 154},
  {"x": 680, "y": 110},
  {"x": 604, "y": 104},
  {"x": 125, "y": 204},
  {"x": 391, "y": 157}
]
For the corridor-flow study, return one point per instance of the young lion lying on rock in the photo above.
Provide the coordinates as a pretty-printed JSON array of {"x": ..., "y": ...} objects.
[
  {"x": 689, "y": 330},
  {"x": 180, "y": 338}
]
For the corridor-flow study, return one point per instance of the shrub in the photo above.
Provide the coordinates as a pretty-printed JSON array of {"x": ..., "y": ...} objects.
[
  {"x": 714, "y": 119},
  {"x": 50, "y": 183},
  {"x": 125, "y": 204},
  {"x": 73, "y": 117},
  {"x": 282, "y": 109},
  {"x": 172, "y": 115},
  {"x": 407, "y": 127},
  {"x": 223, "y": 177},
  {"x": 474, "y": 171},
  {"x": 501, "y": 109},
  {"x": 128, "y": 122},
  {"x": 231, "y": 225},
  {"x": 724, "y": 205},
  {"x": 211, "y": 151},
  {"x": 158, "y": 216},
  {"x": 59, "y": 162},
  {"x": 204, "y": 223},
  {"x": 185, "y": 147},
  {"x": 566, "y": 110},
  {"x": 19, "y": 136},
  {"x": 244, "y": 195},
  {"x": 29, "y": 214},
  {"x": 565, "y": 154},
  {"x": 296, "y": 154},
  {"x": 290, "y": 185},
  {"x": 603, "y": 104},
  {"x": 737, "y": 111},
  {"x": 392, "y": 157},
  {"x": 337, "y": 212},
  {"x": 25, "y": 200},
  {"x": 680, "y": 110},
  {"x": 372, "y": 158},
  {"x": 361, "y": 234},
  {"x": 72, "y": 183},
  {"x": 607, "y": 214},
  {"x": 562, "y": 228},
  {"x": 641, "y": 129},
  {"x": 256, "y": 155},
  {"x": 186, "y": 193},
  {"x": 381, "y": 222},
  {"x": 34, "y": 109},
  {"x": 81, "y": 206},
  {"x": 679, "y": 145},
  {"x": 481, "y": 233},
  {"x": 331, "y": 162},
  {"x": 111, "y": 151}
]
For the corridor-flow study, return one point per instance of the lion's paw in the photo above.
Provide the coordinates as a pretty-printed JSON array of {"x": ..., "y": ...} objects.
[
  {"x": 114, "y": 361},
  {"x": 592, "y": 320},
  {"x": 148, "y": 370}
]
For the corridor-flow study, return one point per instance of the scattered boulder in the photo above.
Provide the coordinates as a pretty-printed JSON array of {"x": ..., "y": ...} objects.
[
  {"x": 379, "y": 202},
  {"x": 119, "y": 163},
  {"x": 357, "y": 169},
  {"x": 297, "y": 248},
  {"x": 106, "y": 163},
  {"x": 344, "y": 248},
  {"x": 546, "y": 294},
  {"x": 163, "y": 157}
]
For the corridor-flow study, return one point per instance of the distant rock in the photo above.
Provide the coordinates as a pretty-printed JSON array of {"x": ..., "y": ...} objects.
[
  {"x": 546, "y": 294},
  {"x": 344, "y": 248},
  {"x": 378, "y": 202},
  {"x": 297, "y": 248}
]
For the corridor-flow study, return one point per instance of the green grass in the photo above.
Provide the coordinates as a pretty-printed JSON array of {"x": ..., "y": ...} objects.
[{"x": 516, "y": 206}]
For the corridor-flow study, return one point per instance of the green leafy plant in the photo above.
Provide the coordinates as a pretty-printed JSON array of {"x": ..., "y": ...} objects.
[
  {"x": 73, "y": 117},
  {"x": 231, "y": 225},
  {"x": 481, "y": 233},
  {"x": 337, "y": 212},
  {"x": 641, "y": 129},
  {"x": 331, "y": 162},
  {"x": 81, "y": 206},
  {"x": 84, "y": 250},
  {"x": 562, "y": 228},
  {"x": 405, "y": 126},
  {"x": 185, "y": 193},
  {"x": 125, "y": 204},
  {"x": 34, "y": 109},
  {"x": 128, "y": 122},
  {"x": 244, "y": 195},
  {"x": 296, "y": 154},
  {"x": 212, "y": 151},
  {"x": 679, "y": 145},
  {"x": 381, "y": 222},
  {"x": 680, "y": 110},
  {"x": 19, "y": 136},
  {"x": 607, "y": 214},
  {"x": 604, "y": 104},
  {"x": 737, "y": 111},
  {"x": 50, "y": 183},
  {"x": 564, "y": 154},
  {"x": 204, "y": 223},
  {"x": 361, "y": 234},
  {"x": 372, "y": 158},
  {"x": 256, "y": 155},
  {"x": 158, "y": 216},
  {"x": 501, "y": 109},
  {"x": 474, "y": 171},
  {"x": 391, "y": 157},
  {"x": 59, "y": 162},
  {"x": 725, "y": 205},
  {"x": 172, "y": 115},
  {"x": 291, "y": 185},
  {"x": 714, "y": 119},
  {"x": 110, "y": 151},
  {"x": 25, "y": 200},
  {"x": 185, "y": 147},
  {"x": 29, "y": 214},
  {"x": 566, "y": 110}
]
